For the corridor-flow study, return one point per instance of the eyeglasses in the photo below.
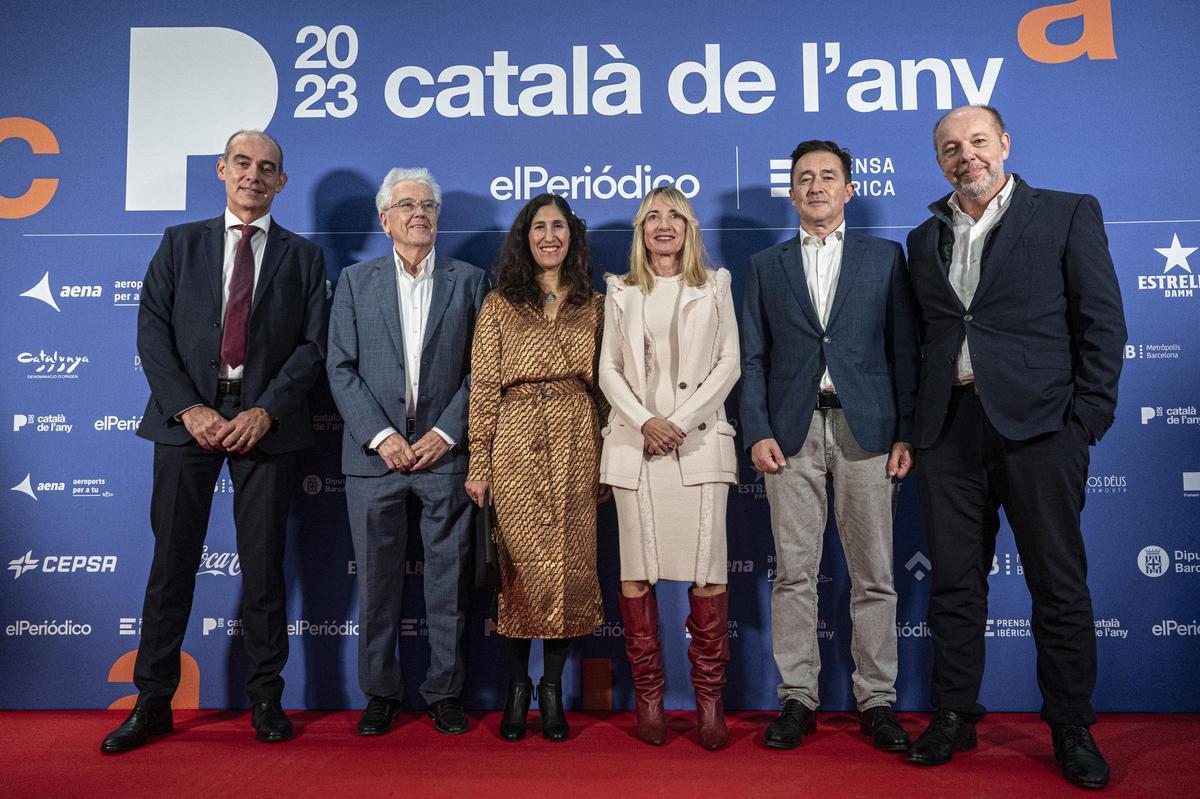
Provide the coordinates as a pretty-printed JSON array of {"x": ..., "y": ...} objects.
[{"x": 410, "y": 207}]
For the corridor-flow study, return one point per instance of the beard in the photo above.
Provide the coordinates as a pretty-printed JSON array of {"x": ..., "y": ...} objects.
[{"x": 980, "y": 187}]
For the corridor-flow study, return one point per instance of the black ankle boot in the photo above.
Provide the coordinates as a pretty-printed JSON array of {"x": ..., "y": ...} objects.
[
  {"x": 554, "y": 719},
  {"x": 516, "y": 708}
]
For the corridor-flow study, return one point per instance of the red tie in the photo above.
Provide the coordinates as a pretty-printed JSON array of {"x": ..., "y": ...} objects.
[{"x": 241, "y": 291}]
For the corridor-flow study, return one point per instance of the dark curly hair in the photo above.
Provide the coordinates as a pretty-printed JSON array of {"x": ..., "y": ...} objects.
[{"x": 516, "y": 270}]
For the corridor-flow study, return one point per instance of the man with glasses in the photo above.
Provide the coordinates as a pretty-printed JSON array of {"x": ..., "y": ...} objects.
[{"x": 399, "y": 362}]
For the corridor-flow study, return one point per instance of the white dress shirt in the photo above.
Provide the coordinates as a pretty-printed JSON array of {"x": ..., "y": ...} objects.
[
  {"x": 413, "y": 293},
  {"x": 257, "y": 244},
  {"x": 969, "y": 239},
  {"x": 822, "y": 265}
]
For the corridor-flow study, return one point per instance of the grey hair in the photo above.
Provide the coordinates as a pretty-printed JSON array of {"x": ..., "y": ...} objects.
[
  {"x": 262, "y": 134},
  {"x": 383, "y": 197}
]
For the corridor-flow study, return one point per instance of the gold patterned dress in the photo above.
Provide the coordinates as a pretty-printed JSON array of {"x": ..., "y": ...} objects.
[{"x": 534, "y": 431}]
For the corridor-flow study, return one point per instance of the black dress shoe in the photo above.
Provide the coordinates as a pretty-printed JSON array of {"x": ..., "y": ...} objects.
[
  {"x": 554, "y": 717},
  {"x": 794, "y": 722},
  {"x": 143, "y": 723},
  {"x": 1082, "y": 763},
  {"x": 516, "y": 709},
  {"x": 880, "y": 725},
  {"x": 270, "y": 724},
  {"x": 448, "y": 716},
  {"x": 949, "y": 732},
  {"x": 378, "y": 716}
]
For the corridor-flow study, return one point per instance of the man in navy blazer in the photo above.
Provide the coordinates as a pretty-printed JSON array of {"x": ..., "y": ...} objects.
[
  {"x": 1023, "y": 335},
  {"x": 399, "y": 367},
  {"x": 231, "y": 333},
  {"x": 829, "y": 377}
]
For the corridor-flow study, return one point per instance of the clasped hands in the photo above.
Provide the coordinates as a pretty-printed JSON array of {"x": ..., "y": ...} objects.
[
  {"x": 660, "y": 437},
  {"x": 399, "y": 456},
  {"x": 238, "y": 435}
]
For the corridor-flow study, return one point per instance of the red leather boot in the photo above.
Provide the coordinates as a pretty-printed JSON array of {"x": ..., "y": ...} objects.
[
  {"x": 640, "y": 616},
  {"x": 709, "y": 652}
]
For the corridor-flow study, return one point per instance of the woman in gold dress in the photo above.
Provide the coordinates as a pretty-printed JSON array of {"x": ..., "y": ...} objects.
[{"x": 534, "y": 437}]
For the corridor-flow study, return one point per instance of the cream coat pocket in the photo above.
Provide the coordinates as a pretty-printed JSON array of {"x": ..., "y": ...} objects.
[{"x": 621, "y": 456}]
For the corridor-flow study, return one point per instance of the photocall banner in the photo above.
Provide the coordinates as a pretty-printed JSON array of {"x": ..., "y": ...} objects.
[{"x": 111, "y": 119}]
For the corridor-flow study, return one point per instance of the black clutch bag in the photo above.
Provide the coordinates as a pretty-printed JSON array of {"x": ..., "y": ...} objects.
[{"x": 487, "y": 560}]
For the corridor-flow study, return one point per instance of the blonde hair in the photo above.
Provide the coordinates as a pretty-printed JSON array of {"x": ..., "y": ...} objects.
[{"x": 695, "y": 259}]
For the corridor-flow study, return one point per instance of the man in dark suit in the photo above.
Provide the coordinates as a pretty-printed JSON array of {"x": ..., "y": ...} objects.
[
  {"x": 829, "y": 378},
  {"x": 1023, "y": 337},
  {"x": 231, "y": 333},
  {"x": 399, "y": 366}
]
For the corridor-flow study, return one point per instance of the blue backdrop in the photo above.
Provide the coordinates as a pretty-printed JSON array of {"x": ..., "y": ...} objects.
[{"x": 110, "y": 122}]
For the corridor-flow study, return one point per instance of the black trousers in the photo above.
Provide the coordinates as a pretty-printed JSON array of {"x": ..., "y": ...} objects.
[
  {"x": 963, "y": 479},
  {"x": 184, "y": 479}
]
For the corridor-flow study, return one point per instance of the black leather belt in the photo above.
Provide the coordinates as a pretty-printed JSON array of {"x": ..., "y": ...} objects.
[
  {"x": 827, "y": 400},
  {"x": 227, "y": 387},
  {"x": 966, "y": 388},
  {"x": 410, "y": 427}
]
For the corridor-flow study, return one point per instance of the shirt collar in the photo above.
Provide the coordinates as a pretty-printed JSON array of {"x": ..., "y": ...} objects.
[
  {"x": 839, "y": 234},
  {"x": 426, "y": 265},
  {"x": 998, "y": 203},
  {"x": 263, "y": 223}
]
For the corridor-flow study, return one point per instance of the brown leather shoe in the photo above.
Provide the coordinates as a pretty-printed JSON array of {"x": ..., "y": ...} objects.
[
  {"x": 709, "y": 625},
  {"x": 640, "y": 616}
]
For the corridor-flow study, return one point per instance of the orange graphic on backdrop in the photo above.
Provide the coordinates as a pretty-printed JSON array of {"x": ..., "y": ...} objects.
[
  {"x": 1096, "y": 41},
  {"x": 187, "y": 696},
  {"x": 41, "y": 141}
]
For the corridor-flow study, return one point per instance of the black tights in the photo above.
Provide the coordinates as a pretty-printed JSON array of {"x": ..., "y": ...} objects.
[{"x": 554, "y": 657}]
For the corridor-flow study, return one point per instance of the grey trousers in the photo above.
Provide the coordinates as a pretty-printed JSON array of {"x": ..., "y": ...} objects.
[
  {"x": 377, "y": 508},
  {"x": 863, "y": 505}
]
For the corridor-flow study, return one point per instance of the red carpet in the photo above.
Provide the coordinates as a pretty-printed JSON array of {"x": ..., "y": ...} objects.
[{"x": 211, "y": 754}]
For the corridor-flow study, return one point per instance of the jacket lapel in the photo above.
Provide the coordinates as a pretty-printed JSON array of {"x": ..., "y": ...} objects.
[
  {"x": 687, "y": 320},
  {"x": 1021, "y": 210},
  {"x": 630, "y": 303},
  {"x": 791, "y": 263},
  {"x": 388, "y": 297},
  {"x": 214, "y": 251},
  {"x": 277, "y": 245},
  {"x": 443, "y": 288},
  {"x": 852, "y": 255}
]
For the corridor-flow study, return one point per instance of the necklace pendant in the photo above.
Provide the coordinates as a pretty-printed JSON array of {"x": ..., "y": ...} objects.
[{"x": 551, "y": 296}]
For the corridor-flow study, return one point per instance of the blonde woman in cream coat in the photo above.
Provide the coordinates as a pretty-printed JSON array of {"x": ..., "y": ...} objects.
[{"x": 668, "y": 360}]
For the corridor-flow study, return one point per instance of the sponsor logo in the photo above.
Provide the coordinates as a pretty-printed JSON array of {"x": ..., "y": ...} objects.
[
  {"x": 137, "y": 363},
  {"x": 42, "y": 423},
  {"x": 1153, "y": 352},
  {"x": 1007, "y": 628},
  {"x": 1106, "y": 484},
  {"x": 1110, "y": 628},
  {"x": 919, "y": 566},
  {"x": 47, "y": 628},
  {"x": 1170, "y": 627},
  {"x": 52, "y": 365},
  {"x": 918, "y": 629},
  {"x": 740, "y": 566},
  {"x": 609, "y": 629},
  {"x": 129, "y": 625},
  {"x": 221, "y": 564},
  {"x": 732, "y": 627},
  {"x": 229, "y": 626},
  {"x": 1153, "y": 561},
  {"x": 1181, "y": 415},
  {"x": 867, "y": 174},
  {"x": 1191, "y": 484},
  {"x": 223, "y": 485},
  {"x": 314, "y": 484},
  {"x": 127, "y": 293},
  {"x": 329, "y": 628},
  {"x": 62, "y": 564},
  {"x": 1187, "y": 561},
  {"x": 109, "y": 423},
  {"x": 327, "y": 423},
  {"x": 1006, "y": 564},
  {"x": 78, "y": 487},
  {"x": 44, "y": 292},
  {"x": 410, "y": 567},
  {"x": 601, "y": 183},
  {"x": 1176, "y": 279}
]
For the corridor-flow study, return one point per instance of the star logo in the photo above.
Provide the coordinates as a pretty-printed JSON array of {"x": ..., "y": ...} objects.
[
  {"x": 25, "y": 563},
  {"x": 43, "y": 293},
  {"x": 1176, "y": 255},
  {"x": 25, "y": 487}
]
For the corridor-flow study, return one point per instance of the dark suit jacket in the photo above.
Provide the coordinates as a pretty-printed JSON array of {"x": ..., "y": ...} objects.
[
  {"x": 1045, "y": 329},
  {"x": 366, "y": 358},
  {"x": 870, "y": 345},
  {"x": 179, "y": 332}
]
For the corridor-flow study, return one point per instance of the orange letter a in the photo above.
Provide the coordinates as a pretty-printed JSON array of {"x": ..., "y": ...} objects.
[{"x": 1096, "y": 40}]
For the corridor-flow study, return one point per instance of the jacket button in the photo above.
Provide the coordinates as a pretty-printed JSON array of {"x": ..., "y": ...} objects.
[
  {"x": 703, "y": 426},
  {"x": 827, "y": 340},
  {"x": 216, "y": 324},
  {"x": 968, "y": 318},
  {"x": 213, "y": 363},
  {"x": 683, "y": 385}
]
